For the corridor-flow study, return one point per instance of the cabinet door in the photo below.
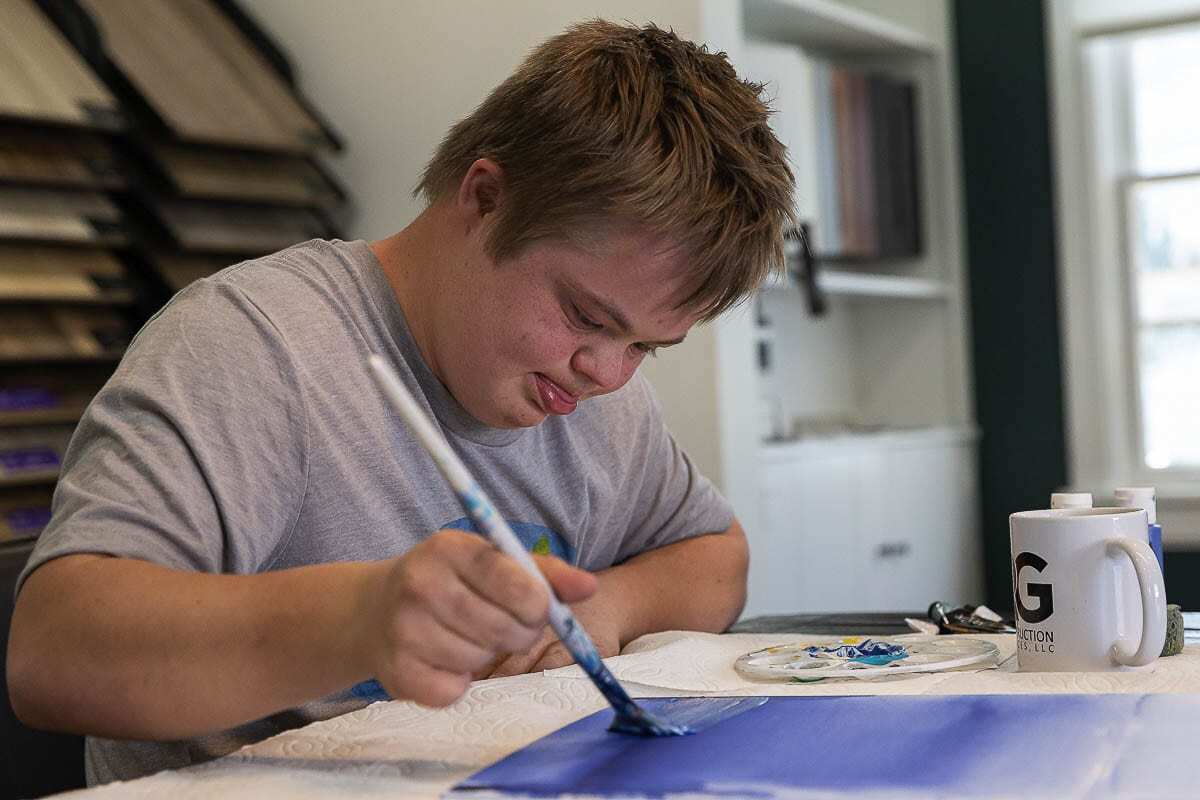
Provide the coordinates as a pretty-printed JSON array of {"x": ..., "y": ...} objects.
[
  {"x": 855, "y": 527},
  {"x": 883, "y": 546},
  {"x": 776, "y": 551},
  {"x": 828, "y": 494},
  {"x": 917, "y": 542},
  {"x": 807, "y": 561}
]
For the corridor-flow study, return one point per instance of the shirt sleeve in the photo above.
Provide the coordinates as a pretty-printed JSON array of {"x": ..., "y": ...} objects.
[
  {"x": 194, "y": 454},
  {"x": 674, "y": 500}
]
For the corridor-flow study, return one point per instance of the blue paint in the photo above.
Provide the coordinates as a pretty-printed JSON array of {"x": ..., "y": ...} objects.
[
  {"x": 968, "y": 746},
  {"x": 371, "y": 691},
  {"x": 1155, "y": 534},
  {"x": 686, "y": 715},
  {"x": 869, "y": 651}
]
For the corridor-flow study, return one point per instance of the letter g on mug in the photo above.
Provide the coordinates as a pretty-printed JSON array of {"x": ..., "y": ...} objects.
[{"x": 1044, "y": 592}]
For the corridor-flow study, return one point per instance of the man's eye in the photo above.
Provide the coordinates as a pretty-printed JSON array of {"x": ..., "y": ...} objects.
[
  {"x": 647, "y": 349},
  {"x": 584, "y": 320}
]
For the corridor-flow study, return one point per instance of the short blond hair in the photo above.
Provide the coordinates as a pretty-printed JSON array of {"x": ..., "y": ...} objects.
[{"x": 608, "y": 122}]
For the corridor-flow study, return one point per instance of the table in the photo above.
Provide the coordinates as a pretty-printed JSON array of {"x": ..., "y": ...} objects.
[{"x": 401, "y": 750}]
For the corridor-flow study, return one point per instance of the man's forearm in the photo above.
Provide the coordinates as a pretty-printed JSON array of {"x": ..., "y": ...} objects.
[
  {"x": 128, "y": 649},
  {"x": 696, "y": 584}
]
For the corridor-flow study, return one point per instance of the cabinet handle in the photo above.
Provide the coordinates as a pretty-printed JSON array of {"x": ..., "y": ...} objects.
[{"x": 893, "y": 550}]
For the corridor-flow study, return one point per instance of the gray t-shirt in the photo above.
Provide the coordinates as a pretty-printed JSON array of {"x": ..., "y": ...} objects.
[{"x": 242, "y": 433}]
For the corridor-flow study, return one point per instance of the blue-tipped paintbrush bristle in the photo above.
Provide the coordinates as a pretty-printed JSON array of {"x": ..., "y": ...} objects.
[{"x": 680, "y": 716}]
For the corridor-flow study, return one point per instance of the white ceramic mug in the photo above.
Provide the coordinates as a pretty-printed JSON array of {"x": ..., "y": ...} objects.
[{"x": 1089, "y": 593}]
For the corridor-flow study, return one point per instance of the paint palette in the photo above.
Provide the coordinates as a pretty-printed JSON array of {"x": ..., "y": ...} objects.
[{"x": 863, "y": 658}]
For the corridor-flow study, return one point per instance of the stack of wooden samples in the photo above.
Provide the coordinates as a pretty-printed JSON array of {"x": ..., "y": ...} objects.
[
  {"x": 63, "y": 289},
  {"x": 226, "y": 147},
  {"x": 143, "y": 144}
]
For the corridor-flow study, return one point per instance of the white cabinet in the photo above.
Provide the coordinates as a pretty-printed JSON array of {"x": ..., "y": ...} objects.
[{"x": 876, "y": 522}]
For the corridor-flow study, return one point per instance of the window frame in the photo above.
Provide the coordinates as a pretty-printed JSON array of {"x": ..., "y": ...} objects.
[
  {"x": 1097, "y": 280},
  {"x": 1134, "y": 325}
]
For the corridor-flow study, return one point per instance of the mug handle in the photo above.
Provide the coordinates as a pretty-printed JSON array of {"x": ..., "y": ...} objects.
[{"x": 1154, "y": 605}]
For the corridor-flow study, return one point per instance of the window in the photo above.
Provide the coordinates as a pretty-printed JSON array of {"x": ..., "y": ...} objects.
[
  {"x": 1163, "y": 208},
  {"x": 1165, "y": 270},
  {"x": 1145, "y": 175}
]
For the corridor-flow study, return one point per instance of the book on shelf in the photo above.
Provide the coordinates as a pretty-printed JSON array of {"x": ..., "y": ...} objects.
[
  {"x": 868, "y": 172},
  {"x": 896, "y": 198}
]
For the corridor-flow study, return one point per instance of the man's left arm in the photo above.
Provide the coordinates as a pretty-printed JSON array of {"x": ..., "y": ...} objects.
[{"x": 697, "y": 584}]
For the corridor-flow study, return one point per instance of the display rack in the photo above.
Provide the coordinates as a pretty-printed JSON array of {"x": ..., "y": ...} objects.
[{"x": 143, "y": 145}]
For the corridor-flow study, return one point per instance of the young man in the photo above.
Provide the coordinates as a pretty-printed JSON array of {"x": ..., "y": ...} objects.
[{"x": 245, "y": 537}]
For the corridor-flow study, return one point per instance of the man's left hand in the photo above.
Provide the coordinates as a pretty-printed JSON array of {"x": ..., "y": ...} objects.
[{"x": 597, "y": 618}]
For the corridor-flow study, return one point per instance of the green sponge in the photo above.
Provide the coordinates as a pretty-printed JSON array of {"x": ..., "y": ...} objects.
[{"x": 1174, "y": 643}]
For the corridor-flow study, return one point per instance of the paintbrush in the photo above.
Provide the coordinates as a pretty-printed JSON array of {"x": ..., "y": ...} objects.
[{"x": 687, "y": 715}]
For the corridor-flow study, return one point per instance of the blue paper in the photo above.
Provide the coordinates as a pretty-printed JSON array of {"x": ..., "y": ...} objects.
[{"x": 969, "y": 746}]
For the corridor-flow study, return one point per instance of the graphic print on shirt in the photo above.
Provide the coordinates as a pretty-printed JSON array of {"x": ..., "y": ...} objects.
[{"x": 535, "y": 538}]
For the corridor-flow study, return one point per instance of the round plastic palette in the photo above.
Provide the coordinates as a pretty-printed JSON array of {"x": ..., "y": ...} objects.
[{"x": 863, "y": 658}]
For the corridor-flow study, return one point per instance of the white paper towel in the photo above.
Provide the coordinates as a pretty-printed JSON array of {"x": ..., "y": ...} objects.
[{"x": 401, "y": 750}]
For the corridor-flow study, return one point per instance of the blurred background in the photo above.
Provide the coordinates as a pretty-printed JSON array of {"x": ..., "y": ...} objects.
[{"x": 1000, "y": 297}]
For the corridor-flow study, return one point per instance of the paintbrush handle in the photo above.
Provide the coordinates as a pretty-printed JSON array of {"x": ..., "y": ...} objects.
[{"x": 479, "y": 506}]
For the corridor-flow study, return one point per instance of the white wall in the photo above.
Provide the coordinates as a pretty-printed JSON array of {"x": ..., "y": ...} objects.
[{"x": 394, "y": 76}]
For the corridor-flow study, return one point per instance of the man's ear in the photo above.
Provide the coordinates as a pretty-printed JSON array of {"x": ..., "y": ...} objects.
[{"x": 482, "y": 188}]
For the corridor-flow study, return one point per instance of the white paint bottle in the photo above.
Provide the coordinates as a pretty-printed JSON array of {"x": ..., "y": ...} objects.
[{"x": 1071, "y": 500}]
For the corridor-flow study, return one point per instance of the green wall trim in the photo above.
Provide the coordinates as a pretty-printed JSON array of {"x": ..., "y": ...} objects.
[{"x": 1008, "y": 182}]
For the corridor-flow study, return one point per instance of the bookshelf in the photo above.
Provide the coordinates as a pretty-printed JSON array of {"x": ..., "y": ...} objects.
[
  {"x": 143, "y": 145},
  {"x": 882, "y": 375},
  {"x": 865, "y": 285},
  {"x": 854, "y": 284},
  {"x": 829, "y": 26}
]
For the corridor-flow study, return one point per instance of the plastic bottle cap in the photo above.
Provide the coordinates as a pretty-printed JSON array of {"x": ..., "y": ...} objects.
[
  {"x": 1138, "y": 497},
  {"x": 1071, "y": 500}
]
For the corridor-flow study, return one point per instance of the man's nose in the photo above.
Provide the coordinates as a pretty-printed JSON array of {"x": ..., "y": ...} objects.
[{"x": 603, "y": 365}]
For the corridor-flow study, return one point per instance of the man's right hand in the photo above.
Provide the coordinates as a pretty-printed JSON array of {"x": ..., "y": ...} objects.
[
  {"x": 115, "y": 647},
  {"x": 447, "y": 608}
]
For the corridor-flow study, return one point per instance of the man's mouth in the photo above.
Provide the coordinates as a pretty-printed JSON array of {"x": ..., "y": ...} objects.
[{"x": 553, "y": 398}]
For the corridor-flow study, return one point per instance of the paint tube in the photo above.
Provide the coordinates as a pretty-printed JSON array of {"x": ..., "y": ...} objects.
[{"x": 1143, "y": 497}]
